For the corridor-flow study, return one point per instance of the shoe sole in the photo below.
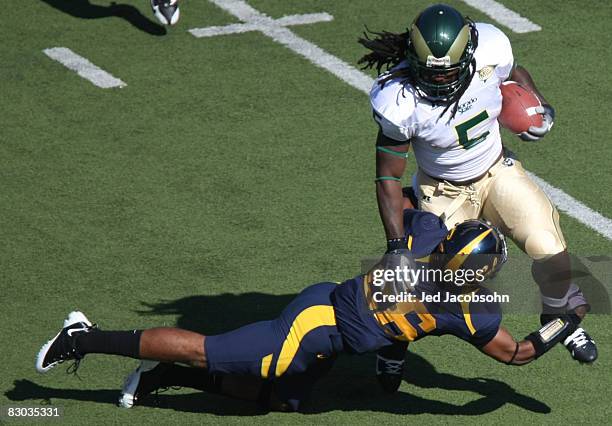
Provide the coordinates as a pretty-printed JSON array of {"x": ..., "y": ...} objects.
[{"x": 73, "y": 318}]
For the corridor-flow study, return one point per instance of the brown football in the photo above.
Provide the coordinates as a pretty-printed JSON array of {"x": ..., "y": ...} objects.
[{"x": 518, "y": 108}]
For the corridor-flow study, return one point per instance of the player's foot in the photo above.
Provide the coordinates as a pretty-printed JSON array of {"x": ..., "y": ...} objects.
[
  {"x": 166, "y": 11},
  {"x": 63, "y": 346},
  {"x": 142, "y": 381},
  {"x": 389, "y": 373},
  {"x": 581, "y": 346}
]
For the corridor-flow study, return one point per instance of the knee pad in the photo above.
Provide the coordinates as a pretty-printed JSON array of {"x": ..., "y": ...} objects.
[{"x": 543, "y": 244}]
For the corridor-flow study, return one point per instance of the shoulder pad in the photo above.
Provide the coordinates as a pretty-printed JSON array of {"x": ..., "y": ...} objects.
[
  {"x": 393, "y": 106},
  {"x": 494, "y": 47}
]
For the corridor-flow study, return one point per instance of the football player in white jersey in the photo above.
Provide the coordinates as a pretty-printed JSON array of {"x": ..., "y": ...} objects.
[{"x": 440, "y": 95}]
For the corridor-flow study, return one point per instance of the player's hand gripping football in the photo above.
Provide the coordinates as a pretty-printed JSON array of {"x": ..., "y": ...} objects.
[{"x": 536, "y": 133}]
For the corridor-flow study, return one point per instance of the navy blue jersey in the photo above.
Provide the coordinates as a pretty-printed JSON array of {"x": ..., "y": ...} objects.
[{"x": 430, "y": 310}]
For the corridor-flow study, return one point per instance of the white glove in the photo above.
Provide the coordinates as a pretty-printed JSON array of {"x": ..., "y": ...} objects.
[{"x": 536, "y": 133}]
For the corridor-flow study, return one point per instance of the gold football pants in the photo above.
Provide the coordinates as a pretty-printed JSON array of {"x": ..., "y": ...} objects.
[{"x": 506, "y": 197}]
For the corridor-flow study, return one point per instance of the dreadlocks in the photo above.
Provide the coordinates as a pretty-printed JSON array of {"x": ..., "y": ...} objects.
[{"x": 388, "y": 50}]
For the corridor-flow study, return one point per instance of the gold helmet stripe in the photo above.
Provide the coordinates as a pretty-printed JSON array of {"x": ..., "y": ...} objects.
[
  {"x": 454, "y": 52},
  {"x": 420, "y": 45},
  {"x": 458, "y": 46},
  {"x": 458, "y": 259}
]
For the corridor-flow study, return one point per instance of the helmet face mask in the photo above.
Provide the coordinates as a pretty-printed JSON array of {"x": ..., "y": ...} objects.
[{"x": 440, "y": 50}]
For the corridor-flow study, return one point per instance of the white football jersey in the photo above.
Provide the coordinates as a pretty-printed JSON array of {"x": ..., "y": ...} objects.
[{"x": 466, "y": 146}]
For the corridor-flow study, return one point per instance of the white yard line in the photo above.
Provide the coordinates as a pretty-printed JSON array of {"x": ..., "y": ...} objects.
[
  {"x": 223, "y": 30},
  {"x": 504, "y": 16},
  {"x": 83, "y": 67},
  {"x": 575, "y": 208},
  {"x": 277, "y": 31},
  {"x": 363, "y": 82},
  {"x": 308, "y": 18}
]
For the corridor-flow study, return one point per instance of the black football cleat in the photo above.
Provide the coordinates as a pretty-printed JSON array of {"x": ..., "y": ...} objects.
[
  {"x": 581, "y": 346},
  {"x": 63, "y": 346},
  {"x": 389, "y": 373},
  {"x": 166, "y": 11},
  {"x": 146, "y": 379}
]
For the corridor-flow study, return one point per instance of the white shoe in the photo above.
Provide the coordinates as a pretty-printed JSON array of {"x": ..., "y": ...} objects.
[{"x": 141, "y": 382}]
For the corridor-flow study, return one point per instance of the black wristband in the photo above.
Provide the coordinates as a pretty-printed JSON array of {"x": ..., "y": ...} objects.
[
  {"x": 514, "y": 354},
  {"x": 396, "y": 244},
  {"x": 549, "y": 335},
  {"x": 539, "y": 347}
]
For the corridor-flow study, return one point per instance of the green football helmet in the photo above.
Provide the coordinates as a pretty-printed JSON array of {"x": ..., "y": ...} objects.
[{"x": 441, "y": 47}]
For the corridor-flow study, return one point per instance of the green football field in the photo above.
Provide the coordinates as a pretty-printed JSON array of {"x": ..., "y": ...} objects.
[{"x": 230, "y": 173}]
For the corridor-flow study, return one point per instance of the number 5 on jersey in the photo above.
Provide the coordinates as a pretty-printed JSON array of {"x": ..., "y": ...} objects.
[{"x": 463, "y": 129}]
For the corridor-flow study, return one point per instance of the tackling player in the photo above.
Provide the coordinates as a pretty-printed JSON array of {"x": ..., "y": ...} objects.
[
  {"x": 276, "y": 362},
  {"x": 440, "y": 95}
]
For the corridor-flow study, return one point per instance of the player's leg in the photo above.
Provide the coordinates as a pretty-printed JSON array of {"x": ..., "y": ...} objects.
[
  {"x": 272, "y": 362},
  {"x": 262, "y": 350},
  {"x": 521, "y": 210},
  {"x": 80, "y": 337},
  {"x": 152, "y": 375},
  {"x": 231, "y": 367}
]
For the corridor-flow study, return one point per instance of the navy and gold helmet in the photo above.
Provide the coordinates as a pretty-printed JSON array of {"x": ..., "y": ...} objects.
[
  {"x": 473, "y": 245},
  {"x": 441, "y": 47}
]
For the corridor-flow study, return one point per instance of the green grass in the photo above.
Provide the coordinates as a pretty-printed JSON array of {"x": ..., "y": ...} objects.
[{"x": 229, "y": 174}]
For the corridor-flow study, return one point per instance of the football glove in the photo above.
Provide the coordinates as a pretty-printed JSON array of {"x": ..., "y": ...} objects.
[{"x": 536, "y": 133}]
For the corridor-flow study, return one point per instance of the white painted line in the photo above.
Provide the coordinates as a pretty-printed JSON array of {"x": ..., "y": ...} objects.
[
  {"x": 256, "y": 25},
  {"x": 223, "y": 30},
  {"x": 286, "y": 37},
  {"x": 363, "y": 82},
  {"x": 574, "y": 208},
  {"x": 83, "y": 67},
  {"x": 308, "y": 18},
  {"x": 504, "y": 16}
]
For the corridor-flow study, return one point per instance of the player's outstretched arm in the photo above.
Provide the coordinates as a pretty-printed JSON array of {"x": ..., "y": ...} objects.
[
  {"x": 505, "y": 349},
  {"x": 390, "y": 166}
]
